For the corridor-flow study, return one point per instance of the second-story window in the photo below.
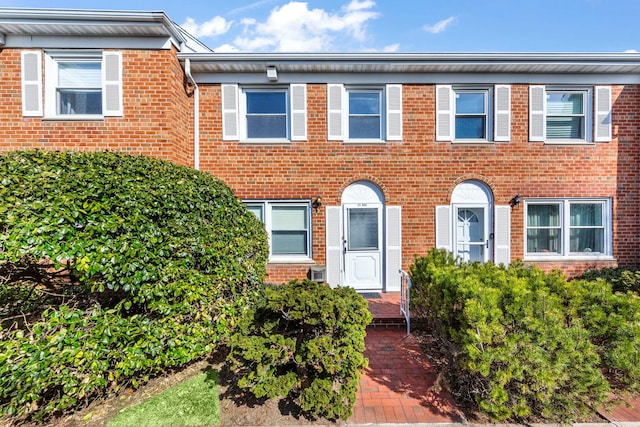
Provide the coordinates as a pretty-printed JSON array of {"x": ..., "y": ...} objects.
[
  {"x": 365, "y": 114},
  {"x": 267, "y": 114},
  {"x": 79, "y": 87},
  {"x": 566, "y": 115},
  {"x": 471, "y": 114}
]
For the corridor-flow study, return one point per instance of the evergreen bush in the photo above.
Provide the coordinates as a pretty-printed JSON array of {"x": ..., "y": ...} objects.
[
  {"x": 113, "y": 268},
  {"x": 305, "y": 341},
  {"x": 526, "y": 344}
]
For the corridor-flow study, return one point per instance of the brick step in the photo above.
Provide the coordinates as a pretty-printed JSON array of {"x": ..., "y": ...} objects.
[{"x": 398, "y": 322}]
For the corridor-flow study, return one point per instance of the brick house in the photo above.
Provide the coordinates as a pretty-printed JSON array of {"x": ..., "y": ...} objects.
[{"x": 354, "y": 162}]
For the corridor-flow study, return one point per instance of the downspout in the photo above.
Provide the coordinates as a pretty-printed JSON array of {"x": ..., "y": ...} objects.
[{"x": 196, "y": 115}]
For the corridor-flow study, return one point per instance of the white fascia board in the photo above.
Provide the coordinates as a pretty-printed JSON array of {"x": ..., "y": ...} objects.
[{"x": 80, "y": 42}]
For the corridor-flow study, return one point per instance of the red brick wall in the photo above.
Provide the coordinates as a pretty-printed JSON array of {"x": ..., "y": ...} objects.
[
  {"x": 419, "y": 173},
  {"x": 157, "y": 112}
]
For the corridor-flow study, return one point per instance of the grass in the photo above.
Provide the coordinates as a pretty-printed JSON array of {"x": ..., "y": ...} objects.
[{"x": 192, "y": 403}]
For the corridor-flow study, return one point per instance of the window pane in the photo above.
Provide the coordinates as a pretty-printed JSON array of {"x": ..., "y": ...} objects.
[
  {"x": 266, "y": 126},
  {"x": 289, "y": 218},
  {"x": 543, "y": 240},
  {"x": 565, "y": 127},
  {"x": 470, "y": 103},
  {"x": 289, "y": 242},
  {"x": 266, "y": 102},
  {"x": 363, "y": 229},
  {"x": 79, "y": 75},
  {"x": 364, "y": 103},
  {"x": 257, "y": 211},
  {"x": 586, "y": 214},
  {"x": 75, "y": 101},
  {"x": 564, "y": 103},
  {"x": 364, "y": 127},
  {"x": 587, "y": 240},
  {"x": 543, "y": 215},
  {"x": 470, "y": 127}
]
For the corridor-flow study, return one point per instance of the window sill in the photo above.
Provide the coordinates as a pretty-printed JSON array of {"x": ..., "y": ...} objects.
[
  {"x": 265, "y": 142},
  {"x": 70, "y": 118},
  {"x": 291, "y": 261},
  {"x": 569, "y": 142},
  {"x": 568, "y": 258},
  {"x": 364, "y": 142},
  {"x": 472, "y": 142}
]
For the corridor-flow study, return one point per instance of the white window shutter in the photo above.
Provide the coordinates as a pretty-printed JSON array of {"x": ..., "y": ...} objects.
[
  {"x": 334, "y": 245},
  {"x": 502, "y": 235},
  {"x": 112, "y": 84},
  {"x": 502, "y": 113},
  {"x": 394, "y": 112},
  {"x": 537, "y": 113},
  {"x": 298, "y": 112},
  {"x": 32, "y": 83},
  {"x": 602, "y": 129},
  {"x": 443, "y": 227},
  {"x": 393, "y": 248},
  {"x": 230, "y": 128},
  {"x": 335, "y": 95},
  {"x": 444, "y": 113}
]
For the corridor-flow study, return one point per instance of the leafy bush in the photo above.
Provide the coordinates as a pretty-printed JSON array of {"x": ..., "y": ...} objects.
[
  {"x": 526, "y": 344},
  {"x": 303, "y": 340},
  {"x": 113, "y": 268}
]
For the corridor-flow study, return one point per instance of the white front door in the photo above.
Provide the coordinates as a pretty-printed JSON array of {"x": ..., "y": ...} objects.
[
  {"x": 471, "y": 233},
  {"x": 363, "y": 246}
]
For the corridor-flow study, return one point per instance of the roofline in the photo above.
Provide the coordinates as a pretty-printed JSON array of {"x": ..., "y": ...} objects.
[
  {"x": 92, "y": 15},
  {"x": 421, "y": 57}
]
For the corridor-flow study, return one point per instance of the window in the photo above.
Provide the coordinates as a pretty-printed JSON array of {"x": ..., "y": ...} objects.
[
  {"x": 570, "y": 114},
  {"x": 258, "y": 114},
  {"x": 566, "y": 118},
  {"x": 471, "y": 114},
  {"x": 568, "y": 227},
  {"x": 288, "y": 227},
  {"x": 266, "y": 114},
  {"x": 364, "y": 114},
  {"x": 77, "y": 84}
]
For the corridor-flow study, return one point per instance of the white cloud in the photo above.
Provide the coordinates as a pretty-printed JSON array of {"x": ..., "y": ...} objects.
[
  {"x": 293, "y": 27},
  {"x": 226, "y": 48},
  {"x": 387, "y": 49},
  {"x": 439, "y": 26},
  {"x": 213, "y": 27},
  {"x": 631, "y": 51}
]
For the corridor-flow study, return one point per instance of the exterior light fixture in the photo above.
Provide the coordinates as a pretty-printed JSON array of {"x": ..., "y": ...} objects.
[
  {"x": 515, "y": 201},
  {"x": 317, "y": 203},
  {"x": 272, "y": 74}
]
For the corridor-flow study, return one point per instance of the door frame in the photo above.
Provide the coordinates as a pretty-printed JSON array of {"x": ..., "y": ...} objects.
[
  {"x": 473, "y": 194},
  {"x": 486, "y": 228}
]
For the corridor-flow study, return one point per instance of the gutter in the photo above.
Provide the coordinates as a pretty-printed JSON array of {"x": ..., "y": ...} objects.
[{"x": 196, "y": 115}]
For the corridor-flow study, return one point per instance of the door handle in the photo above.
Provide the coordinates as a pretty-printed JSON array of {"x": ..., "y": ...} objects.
[{"x": 487, "y": 244}]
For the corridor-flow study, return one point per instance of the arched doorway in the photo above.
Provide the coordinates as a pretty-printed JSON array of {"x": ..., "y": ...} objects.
[
  {"x": 471, "y": 209},
  {"x": 363, "y": 225}
]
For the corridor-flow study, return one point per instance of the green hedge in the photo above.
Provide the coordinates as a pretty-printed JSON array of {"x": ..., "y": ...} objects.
[
  {"x": 303, "y": 340},
  {"x": 113, "y": 268},
  {"x": 526, "y": 344}
]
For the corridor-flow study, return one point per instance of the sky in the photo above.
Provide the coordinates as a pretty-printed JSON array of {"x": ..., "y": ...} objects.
[{"x": 393, "y": 25}]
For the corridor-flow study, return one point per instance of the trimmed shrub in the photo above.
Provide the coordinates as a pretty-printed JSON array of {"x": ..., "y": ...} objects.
[
  {"x": 525, "y": 344},
  {"x": 113, "y": 268},
  {"x": 622, "y": 279},
  {"x": 303, "y": 340}
]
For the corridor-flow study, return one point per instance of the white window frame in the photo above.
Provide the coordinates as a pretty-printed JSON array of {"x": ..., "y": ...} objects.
[
  {"x": 243, "y": 113},
  {"x": 587, "y": 108},
  {"x": 488, "y": 112},
  {"x": 382, "y": 114},
  {"x": 52, "y": 59},
  {"x": 267, "y": 206},
  {"x": 565, "y": 229}
]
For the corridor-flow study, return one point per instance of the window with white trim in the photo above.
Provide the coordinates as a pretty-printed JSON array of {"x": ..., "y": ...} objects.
[
  {"x": 570, "y": 114},
  {"x": 470, "y": 113},
  {"x": 76, "y": 84},
  {"x": 264, "y": 113},
  {"x": 288, "y": 225},
  {"x": 568, "y": 227},
  {"x": 364, "y": 114}
]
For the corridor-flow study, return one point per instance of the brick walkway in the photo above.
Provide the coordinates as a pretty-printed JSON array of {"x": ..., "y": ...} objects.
[{"x": 399, "y": 386}]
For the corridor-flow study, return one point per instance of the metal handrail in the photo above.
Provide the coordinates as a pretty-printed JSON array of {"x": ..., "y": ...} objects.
[{"x": 405, "y": 298}]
